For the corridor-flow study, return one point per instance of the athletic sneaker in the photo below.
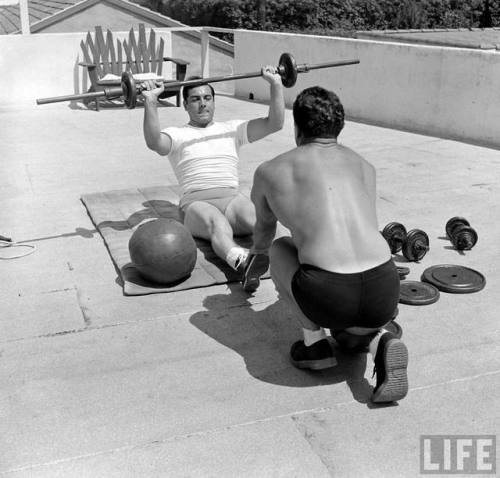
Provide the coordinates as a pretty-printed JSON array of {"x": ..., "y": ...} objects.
[
  {"x": 391, "y": 362},
  {"x": 255, "y": 267},
  {"x": 315, "y": 357}
]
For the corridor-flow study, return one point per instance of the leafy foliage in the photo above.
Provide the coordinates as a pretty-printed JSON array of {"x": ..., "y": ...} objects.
[{"x": 333, "y": 16}]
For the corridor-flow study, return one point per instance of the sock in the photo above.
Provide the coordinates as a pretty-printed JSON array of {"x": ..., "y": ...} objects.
[
  {"x": 236, "y": 256},
  {"x": 313, "y": 336}
]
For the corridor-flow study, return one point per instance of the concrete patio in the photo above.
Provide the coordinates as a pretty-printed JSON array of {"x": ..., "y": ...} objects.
[{"x": 198, "y": 383}]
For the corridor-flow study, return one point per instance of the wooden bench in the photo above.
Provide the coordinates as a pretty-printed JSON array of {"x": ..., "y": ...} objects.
[{"x": 105, "y": 61}]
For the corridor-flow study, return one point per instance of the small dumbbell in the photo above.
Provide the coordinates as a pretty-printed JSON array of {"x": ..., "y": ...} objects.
[
  {"x": 414, "y": 244},
  {"x": 462, "y": 236}
]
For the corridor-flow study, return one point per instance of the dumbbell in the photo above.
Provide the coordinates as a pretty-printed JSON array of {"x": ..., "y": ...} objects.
[
  {"x": 414, "y": 244},
  {"x": 462, "y": 236}
]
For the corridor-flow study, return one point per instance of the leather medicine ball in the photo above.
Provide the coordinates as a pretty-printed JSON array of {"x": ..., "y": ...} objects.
[{"x": 163, "y": 251}]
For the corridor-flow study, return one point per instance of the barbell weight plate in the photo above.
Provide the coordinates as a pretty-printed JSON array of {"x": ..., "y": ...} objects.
[
  {"x": 394, "y": 233},
  {"x": 129, "y": 90},
  {"x": 403, "y": 271},
  {"x": 417, "y": 293},
  {"x": 287, "y": 69},
  {"x": 454, "y": 222},
  {"x": 454, "y": 279},
  {"x": 416, "y": 245}
]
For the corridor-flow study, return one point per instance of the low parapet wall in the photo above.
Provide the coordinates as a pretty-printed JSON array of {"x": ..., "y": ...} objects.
[{"x": 446, "y": 92}]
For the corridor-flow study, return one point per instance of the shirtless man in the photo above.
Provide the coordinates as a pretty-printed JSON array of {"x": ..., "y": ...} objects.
[
  {"x": 335, "y": 270},
  {"x": 204, "y": 156}
]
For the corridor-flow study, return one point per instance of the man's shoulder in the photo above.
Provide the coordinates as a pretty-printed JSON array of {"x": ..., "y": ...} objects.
[
  {"x": 276, "y": 166},
  {"x": 176, "y": 129}
]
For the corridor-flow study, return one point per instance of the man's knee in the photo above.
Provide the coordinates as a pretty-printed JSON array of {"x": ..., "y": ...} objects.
[
  {"x": 241, "y": 215},
  {"x": 206, "y": 221}
]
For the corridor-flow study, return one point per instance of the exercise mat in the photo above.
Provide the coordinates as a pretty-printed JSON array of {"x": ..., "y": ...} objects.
[{"x": 116, "y": 214}]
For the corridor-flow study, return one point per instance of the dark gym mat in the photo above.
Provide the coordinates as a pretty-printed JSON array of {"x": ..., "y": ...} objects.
[{"x": 117, "y": 213}]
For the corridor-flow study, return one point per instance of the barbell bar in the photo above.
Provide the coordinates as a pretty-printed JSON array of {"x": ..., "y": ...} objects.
[{"x": 287, "y": 69}]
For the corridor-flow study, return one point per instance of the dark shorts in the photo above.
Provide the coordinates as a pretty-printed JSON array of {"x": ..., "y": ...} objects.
[
  {"x": 338, "y": 301},
  {"x": 218, "y": 197}
]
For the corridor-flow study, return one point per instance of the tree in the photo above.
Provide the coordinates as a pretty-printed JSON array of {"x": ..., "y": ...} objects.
[{"x": 485, "y": 19}]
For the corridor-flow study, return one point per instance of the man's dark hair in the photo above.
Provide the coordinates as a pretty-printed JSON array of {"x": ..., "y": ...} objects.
[
  {"x": 318, "y": 113},
  {"x": 188, "y": 88}
]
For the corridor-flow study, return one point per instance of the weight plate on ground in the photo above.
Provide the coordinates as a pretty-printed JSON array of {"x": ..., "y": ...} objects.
[
  {"x": 360, "y": 343},
  {"x": 394, "y": 328},
  {"x": 454, "y": 279},
  {"x": 417, "y": 293},
  {"x": 454, "y": 222},
  {"x": 288, "y": 70},
  {"x": 394, "y": 233},
  {"x": 403, "y": 271}
]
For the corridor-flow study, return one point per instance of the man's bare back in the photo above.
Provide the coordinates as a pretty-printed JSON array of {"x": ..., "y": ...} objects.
[
  {"x": 335, "y": 272},
  {"x": 324, "y": 193}
]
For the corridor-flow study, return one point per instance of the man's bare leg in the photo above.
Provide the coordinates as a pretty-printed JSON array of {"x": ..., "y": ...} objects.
[
  {"x": 284, "y": 264},
  {"x": 314, "y": 352},
  {"x": 206, "y": 222},
  {"x": 240, "y": 214}
]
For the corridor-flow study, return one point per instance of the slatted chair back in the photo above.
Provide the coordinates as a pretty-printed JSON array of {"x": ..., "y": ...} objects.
[
  {"x": 101, "y": 52},
  {"x": 142, "y": 55},
  {"x": 105, "y": 61}
]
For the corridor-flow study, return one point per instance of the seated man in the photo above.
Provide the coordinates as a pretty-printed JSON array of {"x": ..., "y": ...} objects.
[
  {"x": 204, "y": 156},
  {"x": 336, "y": 270}
]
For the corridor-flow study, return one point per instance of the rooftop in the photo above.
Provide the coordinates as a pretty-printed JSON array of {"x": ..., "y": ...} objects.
[
  {"x": 198, "y": 383},
  {"x": 476, "y": 38},
  {"x": 10, "y": 17}
]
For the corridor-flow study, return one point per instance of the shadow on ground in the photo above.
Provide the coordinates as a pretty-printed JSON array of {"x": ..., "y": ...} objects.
[{"x": 263, "y": 339}]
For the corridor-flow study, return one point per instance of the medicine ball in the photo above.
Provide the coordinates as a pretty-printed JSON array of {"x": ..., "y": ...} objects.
[{"x": 163, "y": 251}]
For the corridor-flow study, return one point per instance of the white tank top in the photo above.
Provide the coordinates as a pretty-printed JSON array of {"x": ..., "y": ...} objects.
[{"x": 204, "y": 158}]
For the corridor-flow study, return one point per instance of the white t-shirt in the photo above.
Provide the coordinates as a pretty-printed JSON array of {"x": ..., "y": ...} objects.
[{"x": 204, "y": 158}]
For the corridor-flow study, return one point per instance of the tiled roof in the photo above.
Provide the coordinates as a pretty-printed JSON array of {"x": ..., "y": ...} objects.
[{"x": 10, "y": 16}]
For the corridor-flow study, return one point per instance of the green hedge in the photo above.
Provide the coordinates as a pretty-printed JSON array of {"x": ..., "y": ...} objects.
[{"x": 324, "y": 16}]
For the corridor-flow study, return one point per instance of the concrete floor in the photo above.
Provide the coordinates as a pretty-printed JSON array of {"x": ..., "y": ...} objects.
[{"x": 198, "y": 383}]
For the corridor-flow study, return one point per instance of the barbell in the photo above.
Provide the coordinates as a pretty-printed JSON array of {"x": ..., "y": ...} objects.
[{"x": 287, "y": 69}]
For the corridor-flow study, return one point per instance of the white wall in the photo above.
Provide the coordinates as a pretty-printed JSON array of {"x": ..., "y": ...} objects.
[
  {"x": 440, "y": 91},
  {"x": 46, "y": 65}
]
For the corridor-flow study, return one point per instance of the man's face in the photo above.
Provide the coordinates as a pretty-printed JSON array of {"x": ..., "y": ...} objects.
[{"x": 200, "y": 106}]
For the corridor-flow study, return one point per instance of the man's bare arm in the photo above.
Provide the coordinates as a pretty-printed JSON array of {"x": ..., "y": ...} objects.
[
  {"x": 155, "y": 139},
  {"x": 260, "y": 127},
  {"x": 266, "y": 222}
]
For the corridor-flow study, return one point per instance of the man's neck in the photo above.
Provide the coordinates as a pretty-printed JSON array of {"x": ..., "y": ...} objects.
[
  {"x": 198, "y": 125},
  {"x": 320, "y": 141}
]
